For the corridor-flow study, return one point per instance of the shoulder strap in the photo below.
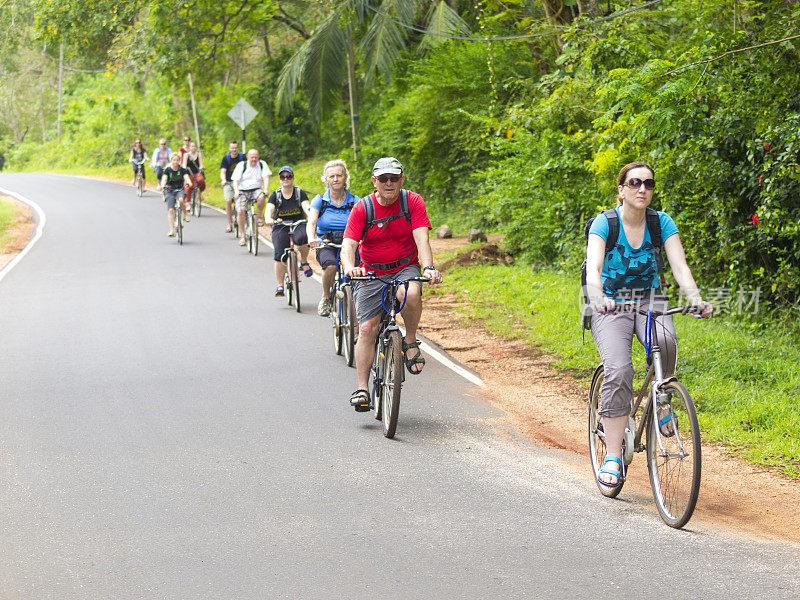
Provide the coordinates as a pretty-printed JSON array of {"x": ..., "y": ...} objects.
[
  {"x": 613, "y": 229},
  {"x": 654, "y": 228},
  {"x": 322, "y": 204},
  {"x": 297, "y": 194},
  {"x": 369, "y": 214},
  {"x": 404, "y": 207}
]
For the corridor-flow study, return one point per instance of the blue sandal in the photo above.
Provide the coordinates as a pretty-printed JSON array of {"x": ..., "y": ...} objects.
[
  {"x": 668, "y": 419},
  {"x": 618, "y": 473}
]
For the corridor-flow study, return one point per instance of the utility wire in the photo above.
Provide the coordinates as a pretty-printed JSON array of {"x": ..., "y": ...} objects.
[{"x": 515, "y": 37}]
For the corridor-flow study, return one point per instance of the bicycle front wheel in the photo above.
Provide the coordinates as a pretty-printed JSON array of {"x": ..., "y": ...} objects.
[
  {"x": 295, "y": 276},
  {"x": 198, "y": 204},
  {"x": 337, "y": 318},
  {"x": 597, "y": 438},
  {"x": 674, "y": 461},
  {"x": 392, "y": 382},
  {"x": 179, "y": 225},
  {"x": 139, "y": 185},
  {"x": 254, "y": 241},
  {"x": 349, "y": 326}
]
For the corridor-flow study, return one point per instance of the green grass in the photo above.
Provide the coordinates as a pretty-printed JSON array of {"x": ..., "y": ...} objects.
[
  {"x": 7, "y": 214},
  {"x": 745, "y": 382}
]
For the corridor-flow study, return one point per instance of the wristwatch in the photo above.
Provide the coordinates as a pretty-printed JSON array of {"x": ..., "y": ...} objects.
[{"x": 429, "y": 268}]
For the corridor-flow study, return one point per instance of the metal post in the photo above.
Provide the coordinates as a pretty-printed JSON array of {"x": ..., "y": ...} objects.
[{"x": 194, "y": 113}]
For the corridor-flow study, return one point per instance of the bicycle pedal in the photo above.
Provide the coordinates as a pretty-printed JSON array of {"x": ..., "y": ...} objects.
[{"x": 361, "y": 407}]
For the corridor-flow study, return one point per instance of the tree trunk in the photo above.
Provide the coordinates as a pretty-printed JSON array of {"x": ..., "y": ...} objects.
[
  {"x": 351, "y": 85},
  {"x": 590, "y": 8}
]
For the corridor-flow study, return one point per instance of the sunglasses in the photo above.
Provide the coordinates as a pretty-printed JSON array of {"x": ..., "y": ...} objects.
[
  {"x": 287, "y": 176},
  {"x": 385, "y": 178},
  {"x": 636, "y": 183}
]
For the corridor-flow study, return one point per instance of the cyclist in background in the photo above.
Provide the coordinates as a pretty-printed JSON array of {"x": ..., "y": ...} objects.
[
  {"x": 226, "y": 167},
  {"x": 174, "y": 182},
  {"x": 250, "y": 183},
  {"x": 160, "y": 160},
  {"x": 193, "y": 162},
  {"x": 288, "y": 203},
  {"x": 630, "y": 272},
  {"x": 137, "y": 158},
  {"x": 327, "y": 218},
  {"x": 185, "y": 148},
  {"x": 394, "y": 243}
]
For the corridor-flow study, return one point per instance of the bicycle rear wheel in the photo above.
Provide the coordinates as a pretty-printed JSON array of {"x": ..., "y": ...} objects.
[
  {"x": 392, "y": 382},
  {"x": 254, "y": 242},
  {"x": 674, "y": 461},
  {"x": 295, "y": 275},
  {"x": 337, "y": 318},
  {"x": 348, "y": 325},
  {"x": 597, "y": 438}
]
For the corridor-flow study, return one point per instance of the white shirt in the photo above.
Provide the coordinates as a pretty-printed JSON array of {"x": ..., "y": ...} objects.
[{"x": 250, "y": 178}]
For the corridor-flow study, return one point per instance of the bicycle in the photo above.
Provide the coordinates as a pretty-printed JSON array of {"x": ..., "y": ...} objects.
[
  {"x": 673, "y": 461},
  {"x": 387, "y": 368},
  {"x": 196, "y": 202},
  {"x": 343, "y": 311},
  {"x": 139, "y": 177},
  {"x": 291, "y": 280},
  {"x": 178, "y": 222},
  {"x": 251, "y": 227}
]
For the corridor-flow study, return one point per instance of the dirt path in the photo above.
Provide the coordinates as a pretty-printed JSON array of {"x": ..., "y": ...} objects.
[
  {"x": 20, "y": 232},
  {"x": 550, "y": 407}
]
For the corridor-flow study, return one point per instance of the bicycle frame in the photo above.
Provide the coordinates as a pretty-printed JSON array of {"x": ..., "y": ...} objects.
[{"x": 654, "y": 381}]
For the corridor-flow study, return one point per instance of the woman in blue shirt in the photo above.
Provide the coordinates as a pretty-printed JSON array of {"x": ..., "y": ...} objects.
[
  {"x": 629, "y": 272},
  {"x": 327, "y": 218}
]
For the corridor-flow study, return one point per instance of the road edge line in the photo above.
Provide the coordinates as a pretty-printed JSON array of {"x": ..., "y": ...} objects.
[
  {"x": 37, "y": 234},
  {"x": 435, "y": 354}
]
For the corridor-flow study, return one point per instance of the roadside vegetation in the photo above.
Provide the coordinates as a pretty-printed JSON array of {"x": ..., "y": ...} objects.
[{"x": 518, "y": 136}]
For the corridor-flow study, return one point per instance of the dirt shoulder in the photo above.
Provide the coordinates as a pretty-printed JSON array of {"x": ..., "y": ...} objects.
[
  {"x": 550, "y": 407},
  {"x": 20, "y": 231}
]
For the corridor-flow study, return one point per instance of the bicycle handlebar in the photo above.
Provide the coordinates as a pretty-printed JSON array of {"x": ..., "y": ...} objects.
[{"x": 373, "y": 277}]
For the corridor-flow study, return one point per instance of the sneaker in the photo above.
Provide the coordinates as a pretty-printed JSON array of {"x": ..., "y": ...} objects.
[
  {"x": 279, "y": 291},
  {"x": 324, "y": 307},
  {"x": 171, "y": 233},
  {"x": 306, "y": 268},
  {"x": 186, "y": 216},
  {"x": 242, "y": 242}
]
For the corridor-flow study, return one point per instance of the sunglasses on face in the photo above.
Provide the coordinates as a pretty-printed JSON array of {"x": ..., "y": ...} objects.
[
  {"x": 385, "y": 178},
  {"x": 287, "y": 176},
  {"x": 636, "y": 183}
]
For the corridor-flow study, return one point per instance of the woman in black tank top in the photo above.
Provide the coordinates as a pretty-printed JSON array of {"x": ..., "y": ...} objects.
[
  {"x": 193, "y": 162},
  {"x": 138, "y": 155}
]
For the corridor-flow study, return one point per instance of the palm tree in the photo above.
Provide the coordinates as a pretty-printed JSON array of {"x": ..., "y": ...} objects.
[{"x": 375, "y": 30}]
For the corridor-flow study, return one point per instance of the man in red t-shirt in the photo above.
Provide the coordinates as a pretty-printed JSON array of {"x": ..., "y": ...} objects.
[{"x": 393, "y": 244}]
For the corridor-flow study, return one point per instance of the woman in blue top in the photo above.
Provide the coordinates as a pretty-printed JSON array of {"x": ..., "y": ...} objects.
[
  {"x": 327, "y": 218},
  {"x": 629, "y": 272}
]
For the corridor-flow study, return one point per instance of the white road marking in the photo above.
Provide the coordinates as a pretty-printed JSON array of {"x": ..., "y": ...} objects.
[{"x": 42, "y": 219}]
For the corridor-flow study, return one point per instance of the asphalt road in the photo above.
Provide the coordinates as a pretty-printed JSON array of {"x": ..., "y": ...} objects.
[{"x": 168, "y": 429}]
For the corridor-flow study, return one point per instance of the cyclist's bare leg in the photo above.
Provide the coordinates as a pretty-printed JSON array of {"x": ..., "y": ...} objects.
[
  {"x": 303, "y": 253},
  {"x": 328, "y": 276},
  {"x": 229, "y": 211},
  {"x": 240, "y": 217},
  {"x": 412, "y": 312},
  {"x": 171, "y": 219},
  {"x": 280, "y": 271},
  {"x": 261, "y": 203},
  {"x": 614, "y": 429},
  {"x": 365, "y": 349}
]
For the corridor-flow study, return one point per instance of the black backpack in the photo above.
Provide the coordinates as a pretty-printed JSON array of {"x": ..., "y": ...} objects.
[
  {"x": 369, "y": 213},
  {"x": 653, "y": 227},
  {"x": 279, "y": 198},
  {"x": 324, "y": 205}
]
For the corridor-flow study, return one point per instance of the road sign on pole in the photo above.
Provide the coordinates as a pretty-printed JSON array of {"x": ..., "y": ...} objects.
[{"x": 242, "y": 113}]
